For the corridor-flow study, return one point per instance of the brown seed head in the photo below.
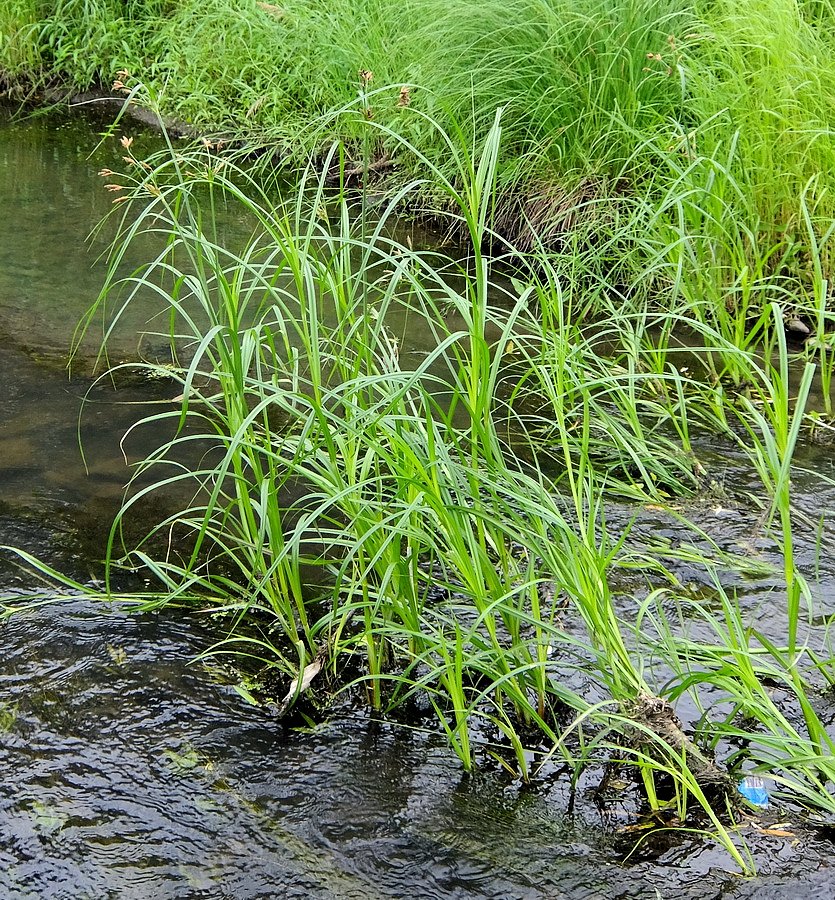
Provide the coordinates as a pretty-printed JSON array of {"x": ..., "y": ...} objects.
[
  {"x": 126, "y": 141},
  {"x": 405, "y": 96},
  {"x": 366, "y": 76},
  {"x": 272, "y": 9}
]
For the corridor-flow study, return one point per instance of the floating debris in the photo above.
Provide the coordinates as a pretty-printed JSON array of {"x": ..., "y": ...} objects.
[
  {"x": 753, "y": 788},
  {"x": 299, "y": 685}
]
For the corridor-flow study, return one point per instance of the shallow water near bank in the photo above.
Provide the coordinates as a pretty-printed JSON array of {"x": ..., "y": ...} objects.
[
  {"x": 130, "y": 773},
  {"x": 133, "y": 773}
]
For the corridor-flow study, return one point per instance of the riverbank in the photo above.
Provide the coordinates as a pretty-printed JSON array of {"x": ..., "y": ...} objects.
[{"x": 715, "y": 117}]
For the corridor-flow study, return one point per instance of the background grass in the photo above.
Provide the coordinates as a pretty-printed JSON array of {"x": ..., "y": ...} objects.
[{"x": 603, "y": 99}]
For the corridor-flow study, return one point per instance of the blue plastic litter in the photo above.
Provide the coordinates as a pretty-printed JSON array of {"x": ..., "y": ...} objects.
[{"x": 754, "y": 790}]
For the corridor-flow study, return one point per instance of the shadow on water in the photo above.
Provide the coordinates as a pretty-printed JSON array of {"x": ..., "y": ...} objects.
[
  {"x": 53, "y": 199},
  {"x": 131, "y": 773}
]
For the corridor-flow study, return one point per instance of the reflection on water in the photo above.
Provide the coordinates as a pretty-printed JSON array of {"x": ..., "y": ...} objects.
[
  {"x": 129, "y": 773},
  {"x": 53, "y": 199}
]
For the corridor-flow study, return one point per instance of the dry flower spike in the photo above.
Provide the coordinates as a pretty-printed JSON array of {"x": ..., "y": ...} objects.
[{"x": 273, "y": 10}]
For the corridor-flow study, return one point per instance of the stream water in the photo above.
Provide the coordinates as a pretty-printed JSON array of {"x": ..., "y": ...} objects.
[{"x": 129, "y": 771}]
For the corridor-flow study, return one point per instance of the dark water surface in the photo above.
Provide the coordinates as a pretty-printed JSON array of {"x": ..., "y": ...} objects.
[{"x": 128, "y": 771}]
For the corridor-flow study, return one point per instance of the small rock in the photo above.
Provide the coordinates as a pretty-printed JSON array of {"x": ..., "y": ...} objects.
[{"x": 796, "y": 326}]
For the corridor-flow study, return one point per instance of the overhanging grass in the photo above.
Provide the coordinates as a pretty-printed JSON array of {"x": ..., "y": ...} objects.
[{"x": 454, "y": 503}]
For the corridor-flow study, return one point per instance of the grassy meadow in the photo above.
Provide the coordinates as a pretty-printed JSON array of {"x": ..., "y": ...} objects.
[{"x": 641, "y": 200}]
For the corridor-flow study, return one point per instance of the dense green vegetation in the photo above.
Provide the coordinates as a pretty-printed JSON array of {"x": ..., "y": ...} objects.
[
  {"x": 718, "y": 113},
  {"x": 643, "y": 195}
]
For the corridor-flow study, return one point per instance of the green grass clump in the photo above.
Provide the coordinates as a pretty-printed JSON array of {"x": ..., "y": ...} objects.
[
  {"x": 20, "y": 48},
  {"x": 765, "y": 74},
  {"x": 429, "y": 523},
  {"x": 434, "y": 518}
]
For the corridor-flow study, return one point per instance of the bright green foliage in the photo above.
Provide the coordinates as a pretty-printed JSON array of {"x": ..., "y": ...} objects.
[
  {"x": 437, "y": 522},
  {"x": 668, "y": 168}
]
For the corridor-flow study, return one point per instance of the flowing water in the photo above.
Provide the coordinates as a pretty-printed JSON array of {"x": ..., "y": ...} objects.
[{"x": 130, "y": 771}]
